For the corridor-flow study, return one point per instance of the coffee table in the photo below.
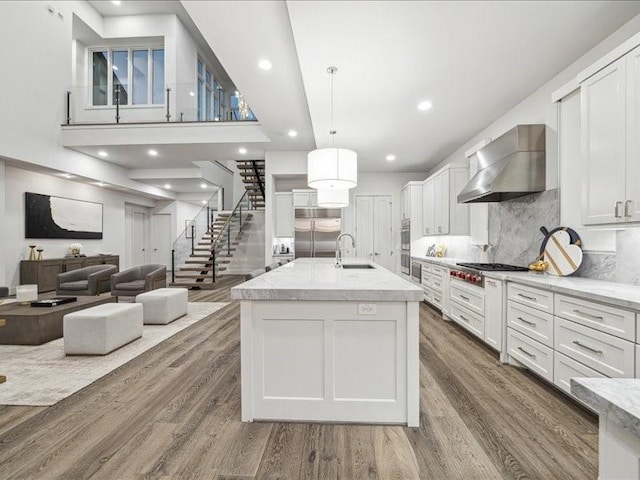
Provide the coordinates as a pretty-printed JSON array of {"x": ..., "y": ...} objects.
[{"x": 27, "y": 325}]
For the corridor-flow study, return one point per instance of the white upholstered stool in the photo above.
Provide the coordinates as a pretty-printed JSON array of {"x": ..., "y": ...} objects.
[
  {"x": 102, "y": 329},
  {"x": 163, "y": 305}
]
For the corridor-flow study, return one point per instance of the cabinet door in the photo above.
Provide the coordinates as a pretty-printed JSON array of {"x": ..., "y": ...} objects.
[
  {"x": 441, "y": 194},
  {"x": 493, "y": 322},
  {"x": 300, "y": 199},
  {"x": 284, "y": 215},
  {"x": 428, "y": 208},
  {"x": 383, "y": 238},
  {"x": 364, "y": 226},
  {"x": 458, "y": 212},
  {"x": 632, "y": 200},
  {"x": 313, "y": 198},
  {"x": 405, "y": 203},
  {"x": 603, "y": 144}
]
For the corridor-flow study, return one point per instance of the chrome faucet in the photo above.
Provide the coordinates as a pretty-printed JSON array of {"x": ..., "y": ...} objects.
[{"x": 339, "y": 250}]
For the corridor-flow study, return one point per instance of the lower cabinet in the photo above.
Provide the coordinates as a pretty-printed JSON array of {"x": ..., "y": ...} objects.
[
  {"x": 564, "y": 368},
  {"x": 467, "y": 319},
  {"x": 534, "y": 355}
]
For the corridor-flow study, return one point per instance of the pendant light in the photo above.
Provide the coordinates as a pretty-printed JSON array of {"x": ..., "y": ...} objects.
[
  {"x": 333, "y": 198},
  {"x": 332, "y": 168}
]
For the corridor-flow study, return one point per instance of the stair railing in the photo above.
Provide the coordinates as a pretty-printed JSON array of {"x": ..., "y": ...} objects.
[
  {"x": 185, "y": 244},
  {"x": 226, "y": 229}
]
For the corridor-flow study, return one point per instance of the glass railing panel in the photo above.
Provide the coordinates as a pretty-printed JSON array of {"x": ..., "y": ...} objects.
[{"x": 180, "y": 103}]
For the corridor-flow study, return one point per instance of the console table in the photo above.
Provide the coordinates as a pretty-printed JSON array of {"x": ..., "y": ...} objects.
[{"x": 45, "y": 272}]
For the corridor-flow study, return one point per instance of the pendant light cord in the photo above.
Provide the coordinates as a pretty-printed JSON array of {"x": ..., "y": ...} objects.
[{"x": 332, "y": 132}]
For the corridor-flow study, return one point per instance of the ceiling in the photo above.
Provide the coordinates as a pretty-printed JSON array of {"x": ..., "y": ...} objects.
[{"x": 473, "y": 60}]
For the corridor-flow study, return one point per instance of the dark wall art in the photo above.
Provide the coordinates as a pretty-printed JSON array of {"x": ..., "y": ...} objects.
[{"x": 47, "y": 216}]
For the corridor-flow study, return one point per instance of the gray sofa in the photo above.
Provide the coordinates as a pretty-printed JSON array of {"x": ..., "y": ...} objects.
[
  {"x": 92, "y": 280},
  {"x": 136, "y": 280}
]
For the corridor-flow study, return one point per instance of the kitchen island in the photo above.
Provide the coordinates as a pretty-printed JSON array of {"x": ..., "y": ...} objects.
[{"x": 320, "y": 343}]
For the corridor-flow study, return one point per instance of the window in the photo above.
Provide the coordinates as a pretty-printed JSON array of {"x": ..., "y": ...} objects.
[
  {"x": 136, "y": 78},
  {"x": 208, "y": 103},
  {"x": 200, "y": 97}
]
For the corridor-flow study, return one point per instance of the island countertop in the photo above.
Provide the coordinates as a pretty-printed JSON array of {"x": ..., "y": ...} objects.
[{"x": 319, "y": 279}]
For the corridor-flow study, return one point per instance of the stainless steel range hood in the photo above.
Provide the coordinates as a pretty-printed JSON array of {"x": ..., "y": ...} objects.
[{"x": 511, "y": 166}]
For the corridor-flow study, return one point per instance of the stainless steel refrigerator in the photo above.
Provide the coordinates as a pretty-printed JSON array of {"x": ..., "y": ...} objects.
[{"x": 316, "y": 231}]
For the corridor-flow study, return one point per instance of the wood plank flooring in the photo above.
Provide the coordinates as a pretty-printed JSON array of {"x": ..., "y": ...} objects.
[{"x": 174, "y": 413}]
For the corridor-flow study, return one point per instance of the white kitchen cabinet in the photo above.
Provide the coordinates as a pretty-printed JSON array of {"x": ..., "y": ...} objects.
[
  {"x": 305, "y": 198},
  {"x": 428, "y": 209},
  {"x": 411, "y": 197},
  {"x": 610, "y": 116},
  {"x": 284, "y": 214},
  {"x": 493, "y": 313},
  {"x": 441, "y": 212}
]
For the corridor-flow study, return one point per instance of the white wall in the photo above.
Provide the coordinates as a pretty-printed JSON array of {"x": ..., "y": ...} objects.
[
  {"x": 15, "y": 245},
  {"x": 4, "y": 232}
]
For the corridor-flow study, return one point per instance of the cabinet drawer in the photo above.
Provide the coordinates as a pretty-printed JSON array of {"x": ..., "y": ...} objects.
[
  {"x": 534, "y": 323},
  {"x": 565, "y": 368},
  {"x": 616, "y": 321},
  {"x": 609, "y": 355},
  {"x": 426, "y": 267},
  {"x": 536, "y": 356},
  {"x": 427, "y": 295},
  {"x": 438, "y": 270},
  {"x": 468, "y": 297},
  {"x": 467, "y": 319},
  {"x": 437, "y": 299},
  {"x": 532, "y": 297},
  {"x": 435, "y": 282}
]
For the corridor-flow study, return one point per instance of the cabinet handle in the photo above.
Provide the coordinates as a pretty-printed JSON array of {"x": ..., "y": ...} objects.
[
  {"x": 533, "y": 299},
  {"x": 464, "y": 318},
  {"x": 616, "y": 207},
  {"x": 626, "y": 208},
  {"x": 439, "y": 229},
  {"x": 491, "y": 282},
  {"x": 527, "y": 321},
  {"x": 464, "y": 297},
  {"x": 436, "y": 284},
  {"x": 587, "y": 347},
  {"x": 585, "y": 314},
  {"x": 526, "y": 352}
]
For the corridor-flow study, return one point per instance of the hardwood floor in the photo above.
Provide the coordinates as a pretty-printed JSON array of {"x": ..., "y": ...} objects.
[{"x": 174, "y": 413}]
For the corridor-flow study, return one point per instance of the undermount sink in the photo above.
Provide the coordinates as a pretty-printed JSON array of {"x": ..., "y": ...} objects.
[{"x": 357, "y": 265}]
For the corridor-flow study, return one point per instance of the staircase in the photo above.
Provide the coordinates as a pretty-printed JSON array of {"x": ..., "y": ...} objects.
[
  {"x": 207, "y": 261},
  {"x": 252, "y": 173}
]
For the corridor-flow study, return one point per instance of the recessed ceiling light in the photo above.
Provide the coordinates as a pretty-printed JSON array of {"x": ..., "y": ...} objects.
[
  {"x": 265, "y": 64},
  {"x": 203, "y": 185},
  {"x": 292, "y": 133},
  {"x": 425, "y": 105},
  {"x": 242, "y": 151},
  {"x": 153, "y": 153},
  {"x": 66, "y": 175},
  {"x": 101, "y": 184},
  {"x": 204, "y": 201},
  {"x": 390, "y": 158},
  {"x": 167, "y": 186},
  {"x": 103, "y": 154},
  {"x": 116, "y": 2},
  {"x": 192, "y": 94}
]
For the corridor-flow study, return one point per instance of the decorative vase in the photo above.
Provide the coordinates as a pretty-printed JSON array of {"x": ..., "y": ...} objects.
[
  {"x": 32, "y": 252},
  {"x": 40, "y": 250}
]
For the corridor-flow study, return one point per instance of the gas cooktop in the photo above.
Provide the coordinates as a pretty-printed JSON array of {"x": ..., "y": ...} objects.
[{"x": 494, "y": 267}]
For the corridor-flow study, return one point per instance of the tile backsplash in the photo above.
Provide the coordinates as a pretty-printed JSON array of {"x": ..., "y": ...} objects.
[{"x": 514, "y": 233}]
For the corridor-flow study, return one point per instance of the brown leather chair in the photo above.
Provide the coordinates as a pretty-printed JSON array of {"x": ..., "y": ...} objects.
[
  {"x": 136, "y": 280},
  {"x": 92, "y": 280}
]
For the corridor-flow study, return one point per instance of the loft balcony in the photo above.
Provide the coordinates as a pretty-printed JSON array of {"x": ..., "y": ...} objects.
[{"x": 177, "y": 114}]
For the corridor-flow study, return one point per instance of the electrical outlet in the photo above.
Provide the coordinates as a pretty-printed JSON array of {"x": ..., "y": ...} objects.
[{"x": 366, "y": 309}]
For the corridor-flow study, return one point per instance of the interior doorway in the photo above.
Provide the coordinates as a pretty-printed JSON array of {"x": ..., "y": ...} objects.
[
  {"x": 374, "y": 239},
  {"x": 161, "y": 239}
]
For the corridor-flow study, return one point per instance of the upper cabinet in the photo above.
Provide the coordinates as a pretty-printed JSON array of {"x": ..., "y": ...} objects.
[
  {"x": 441, "y": 212},
  {"x": 305, "y": 198},
  {"x": 284, "y": 214},
  {"x": 411, "y": 196},
  {"x": 610, "y": 117}
]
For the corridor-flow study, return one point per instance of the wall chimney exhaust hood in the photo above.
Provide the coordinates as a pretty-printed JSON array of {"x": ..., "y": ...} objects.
[{"x": 511, "y": 166}]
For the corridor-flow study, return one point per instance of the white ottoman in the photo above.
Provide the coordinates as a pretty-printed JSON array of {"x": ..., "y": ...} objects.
[
  {"x": 163, "y": 305},
  {"x": 102, "y": 329}
]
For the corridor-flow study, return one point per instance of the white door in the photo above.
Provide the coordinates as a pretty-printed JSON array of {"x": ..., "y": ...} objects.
[
  {"x": 161, "y": 239},
  {"x": 632, "y": 198},
  {"x": 364, "y": 227},
  {"x": 382, "y": 238},
  {"x": 138, "y": 249},
  {"x": 603, "y": 144}
]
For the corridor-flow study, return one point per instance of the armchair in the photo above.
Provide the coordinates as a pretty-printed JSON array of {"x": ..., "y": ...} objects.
[
  {"x": 136, "y": 280},
  {"x": 92, "y": 280}
]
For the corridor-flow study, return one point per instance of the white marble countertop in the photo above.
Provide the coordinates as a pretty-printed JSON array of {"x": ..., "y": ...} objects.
[
  {"x": 319, "y": 279},
  {"x": 448, "y": 261},
  {"x": 618, "y": 398},
  {"x": 619, "y": 294}
]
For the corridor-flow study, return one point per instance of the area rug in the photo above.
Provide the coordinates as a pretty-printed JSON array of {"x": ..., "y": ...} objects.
[{"x": 42, "y": 375}]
